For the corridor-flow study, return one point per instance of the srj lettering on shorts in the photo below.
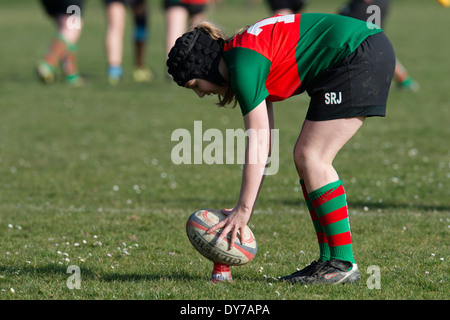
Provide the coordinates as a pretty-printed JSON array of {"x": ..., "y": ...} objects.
[
  {"x": 333, "y": 98},
  {"x": 222, "y": 148}
]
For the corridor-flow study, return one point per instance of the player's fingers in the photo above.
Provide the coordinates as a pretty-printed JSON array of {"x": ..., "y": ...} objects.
[
  {"x": 216, "y": 227},
  {"x": 223, "y": 234},
  {"x": 241, "y": 233},
  {"x": 233, "y": 238},
  {"x": 226, "y": 211}
]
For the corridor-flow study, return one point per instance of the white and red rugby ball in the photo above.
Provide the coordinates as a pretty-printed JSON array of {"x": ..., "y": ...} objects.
[{"x": 197, "y": 225}]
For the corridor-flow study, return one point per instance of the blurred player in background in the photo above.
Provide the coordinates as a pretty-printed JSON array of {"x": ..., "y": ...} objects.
[
  {"x": 116, "y": 18},
  {"x": 182, "y": 15},
  {"x": 356, "y": 9},
  {"x": 345, "y": 66},
  {"x": 359, "y": 9},
  {"x": 287, "y": 6},
  {"x": 63, "y": 47}
]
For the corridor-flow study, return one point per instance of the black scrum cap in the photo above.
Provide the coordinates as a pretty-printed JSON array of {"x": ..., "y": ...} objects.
[{"x": 196, "y": 55}]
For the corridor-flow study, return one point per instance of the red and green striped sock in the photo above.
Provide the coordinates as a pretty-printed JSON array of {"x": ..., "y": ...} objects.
[
  {"x": 55, "y": 51},
  {"x": 69, "y": 64},
  {"x": 330, "y": 205},
  {"x": 321, "y": 238}
]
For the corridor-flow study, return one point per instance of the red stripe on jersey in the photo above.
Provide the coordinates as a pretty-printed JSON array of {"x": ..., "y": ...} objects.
[
  {"x": 339, "y": 239},
  {"x": 276, "y": 38},
  {"x": 339, "y": 191},
  {"x": 334, "y": 216}
]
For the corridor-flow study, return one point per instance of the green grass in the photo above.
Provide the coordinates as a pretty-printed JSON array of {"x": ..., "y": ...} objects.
[{"x": 86, "y": 177}]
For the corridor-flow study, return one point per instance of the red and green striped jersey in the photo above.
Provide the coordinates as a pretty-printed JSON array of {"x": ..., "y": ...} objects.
[{"x": 278, "y": 57}]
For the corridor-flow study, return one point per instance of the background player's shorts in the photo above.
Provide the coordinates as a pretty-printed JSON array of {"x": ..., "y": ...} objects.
[
  {"x": 356, "y": 87},
  {"x": 58, "y": 7},
  {"x": 127, "y": 2},
  {"x": 192, "y": 8},
  {"x": 358, "y": 9},
  {"x": 294, "y": 5}
]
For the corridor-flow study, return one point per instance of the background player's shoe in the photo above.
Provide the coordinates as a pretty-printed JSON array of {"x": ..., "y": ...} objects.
[
  {"x": 75, "y": 80},
  {"x": 45, "y": 73},
  {"x": 409, "y": 85},
  {"x": 143, "y": 75}
]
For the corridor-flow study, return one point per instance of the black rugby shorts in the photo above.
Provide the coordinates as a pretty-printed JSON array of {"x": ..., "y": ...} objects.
[
  {"x": 191, "y": 8},
  {"x": 294, "y": 5},
  {"x": 59, "y": 7},
  {"x": 358, "y": 86}
]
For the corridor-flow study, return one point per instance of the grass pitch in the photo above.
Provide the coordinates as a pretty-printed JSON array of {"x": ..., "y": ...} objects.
[{"x": 86, "y": 177}]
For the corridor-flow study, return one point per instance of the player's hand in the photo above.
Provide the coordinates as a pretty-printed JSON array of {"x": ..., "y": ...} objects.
[{"x": 235, "y": 222}]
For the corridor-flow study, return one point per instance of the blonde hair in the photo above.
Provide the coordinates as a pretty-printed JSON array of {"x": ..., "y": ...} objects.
[{"x": 216, "y": 33}]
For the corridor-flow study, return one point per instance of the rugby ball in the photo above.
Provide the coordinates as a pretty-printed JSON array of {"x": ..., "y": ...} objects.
[{"x": 197, "y": 225}]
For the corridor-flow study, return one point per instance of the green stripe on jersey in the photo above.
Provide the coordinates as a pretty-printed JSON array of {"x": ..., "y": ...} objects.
[
  {"x": 248, "y": 76},
  {"x": 326, "y": 40}
]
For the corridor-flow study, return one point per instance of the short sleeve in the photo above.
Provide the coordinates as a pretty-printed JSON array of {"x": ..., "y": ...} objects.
[{"x": 248, "y": 71}]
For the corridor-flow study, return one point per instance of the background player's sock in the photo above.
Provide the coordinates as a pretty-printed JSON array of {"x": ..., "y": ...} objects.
[
  {"x": 114, "y": 74},
  {"x": 55, "y": 53},
  {"x": 69, "y": 65},
  {"x": 403, "y": 78}
]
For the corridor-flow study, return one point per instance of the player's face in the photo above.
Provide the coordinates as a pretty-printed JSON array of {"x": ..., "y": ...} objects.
[{"x": 204, "y": 87}]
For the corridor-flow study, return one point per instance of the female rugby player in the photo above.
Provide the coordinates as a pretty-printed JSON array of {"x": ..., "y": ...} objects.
[{"x": 344, "y": 65}]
